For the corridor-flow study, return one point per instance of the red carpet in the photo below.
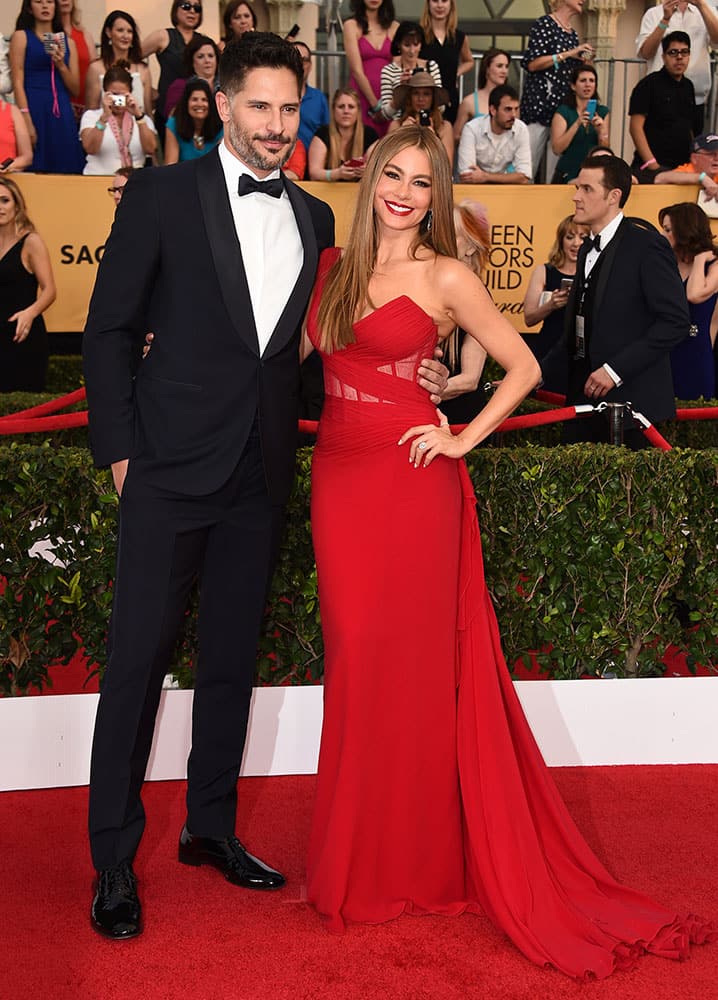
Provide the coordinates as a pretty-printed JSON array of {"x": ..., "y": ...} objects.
[{"x": 206, "y": 940}]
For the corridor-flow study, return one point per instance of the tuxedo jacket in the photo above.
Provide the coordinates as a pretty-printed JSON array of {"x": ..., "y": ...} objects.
[
  {"x": 640, "y": 313},
  {"x": 173, "y": 266}
]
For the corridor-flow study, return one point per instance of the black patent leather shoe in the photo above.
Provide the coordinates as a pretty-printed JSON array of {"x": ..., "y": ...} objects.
[
  {"x": 229, "y": 857},
  {"x": 116, "y": 910}
]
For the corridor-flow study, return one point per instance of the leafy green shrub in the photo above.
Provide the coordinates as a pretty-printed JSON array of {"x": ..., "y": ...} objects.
[
  {"x": 64, "y": 374},
  {"x": 595, "y": 557}
]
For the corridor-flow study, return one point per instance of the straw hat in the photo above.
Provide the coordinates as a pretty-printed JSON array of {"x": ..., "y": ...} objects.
[{"x": 420, "y": 78}]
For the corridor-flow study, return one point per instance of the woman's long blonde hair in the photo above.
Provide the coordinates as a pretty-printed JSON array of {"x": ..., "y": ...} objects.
[
  {"x": 346, "y": 291},
  {"x": 23, "y": 223},
  {"x": 334, "y": 157},
  {"x": 452, "y": 22}
]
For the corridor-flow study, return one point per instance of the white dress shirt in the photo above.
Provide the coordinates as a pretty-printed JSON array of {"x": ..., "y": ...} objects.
[
  {"x": 606, "y": 235},
  {"x": 272, "y": 250},
  {"x": 690, "y": 21},
  {"x": 479, "y": 146}
]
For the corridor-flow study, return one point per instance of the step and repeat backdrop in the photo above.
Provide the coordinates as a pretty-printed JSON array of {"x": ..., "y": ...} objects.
[{"x": 74, "y": 216}]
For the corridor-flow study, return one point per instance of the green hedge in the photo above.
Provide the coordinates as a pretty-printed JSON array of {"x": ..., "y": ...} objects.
[
  {"x": 64, "y": 374},
  {"x": 596, "y": 557}
]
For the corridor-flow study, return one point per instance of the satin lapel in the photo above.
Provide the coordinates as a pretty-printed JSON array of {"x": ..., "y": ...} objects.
[
  {"x": 293, "y": 311},
  {"x": 609, "y": 256},
  {"x": 225, "y": 248}
]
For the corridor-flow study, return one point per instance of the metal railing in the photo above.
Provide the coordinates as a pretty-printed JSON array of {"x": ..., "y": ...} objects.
[{"x": 617, "y": 78}]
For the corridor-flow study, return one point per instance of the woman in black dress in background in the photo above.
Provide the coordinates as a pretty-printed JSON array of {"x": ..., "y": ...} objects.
[
  {"x": 548, "y": 290},
  {"x": 27, "y": 289},
  {"x": 448, "y": 47}
]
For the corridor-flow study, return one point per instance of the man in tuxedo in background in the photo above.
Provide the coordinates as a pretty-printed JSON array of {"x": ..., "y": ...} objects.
[
  {"x": 217, "y": 257},
  {"x": 626, "y": 311}
]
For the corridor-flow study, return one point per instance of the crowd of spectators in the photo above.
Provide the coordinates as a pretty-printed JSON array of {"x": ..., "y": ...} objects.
[
  {"x": 73, "y": 108},
  {"x": 397, "y": 73}
]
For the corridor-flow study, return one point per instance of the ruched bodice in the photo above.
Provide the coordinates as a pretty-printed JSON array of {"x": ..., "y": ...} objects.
[{"x": 372, "y": 383}]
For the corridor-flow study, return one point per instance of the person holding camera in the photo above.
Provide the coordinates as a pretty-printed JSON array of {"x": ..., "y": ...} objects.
[
  {"x": 579, "y": 124},
  {"x": 496, "y": 149},
  {"x": 45, "y": 74},
  {"x": 553, "y": 52},
  {"x": 420, "y": 101},
  {"x": 547, "y": 295},
  {"x": 117, "y": 134}
]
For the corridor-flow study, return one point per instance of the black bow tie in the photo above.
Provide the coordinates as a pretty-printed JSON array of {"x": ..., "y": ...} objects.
[
  {"x": 593, "y": 243},
  {"x": 248, "y": 185}
]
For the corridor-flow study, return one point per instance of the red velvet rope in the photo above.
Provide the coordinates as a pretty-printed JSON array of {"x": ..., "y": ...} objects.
[
  {"x": 698, "y": 413},
  {"x": 550, "y": 397},
  {"x": 51, "y": 406},
  {"x": 37, "y": 418},
  {"x": 512, "y": 424},
  {"x": 656, "y": 439},
  {"x": 35, "y": 425}
]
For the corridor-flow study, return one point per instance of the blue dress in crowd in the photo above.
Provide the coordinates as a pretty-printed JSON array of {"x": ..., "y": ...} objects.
[
  {"x": 58, "y": 149},
  {"x": 692, "y": 360},
  {"x": 187, "y": 148}
]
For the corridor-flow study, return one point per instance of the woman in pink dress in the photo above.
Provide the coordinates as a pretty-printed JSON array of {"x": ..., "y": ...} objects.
[{"x": 368, "y": 36}]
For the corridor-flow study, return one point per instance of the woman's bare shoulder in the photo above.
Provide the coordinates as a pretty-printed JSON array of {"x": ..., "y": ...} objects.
[{"x": 449, "y": 271}]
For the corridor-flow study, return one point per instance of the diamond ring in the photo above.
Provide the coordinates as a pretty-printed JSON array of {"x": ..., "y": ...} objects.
[{"x": 422, "y": 446}]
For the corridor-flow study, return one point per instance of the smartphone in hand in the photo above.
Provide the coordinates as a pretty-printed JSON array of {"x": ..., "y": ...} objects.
[{"x": 591, "y": 108}]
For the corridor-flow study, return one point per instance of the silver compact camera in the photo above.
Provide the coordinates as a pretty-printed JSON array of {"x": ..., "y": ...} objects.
[{"x": 119, "y": 100}]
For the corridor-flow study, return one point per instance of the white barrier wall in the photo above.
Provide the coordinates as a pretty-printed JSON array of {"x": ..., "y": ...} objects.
[{"x": 45, "y": 741}]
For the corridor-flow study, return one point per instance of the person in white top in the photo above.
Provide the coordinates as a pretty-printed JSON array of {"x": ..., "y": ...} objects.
[
  {"x": 496, "y": 149},
  {"x": 699, "y": 20},
  {"x": 119, "y": 133}
]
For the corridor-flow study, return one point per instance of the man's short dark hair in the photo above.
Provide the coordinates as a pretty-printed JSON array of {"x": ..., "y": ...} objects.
[
  {"x": 498, "y": 93},
  {"x": 616, "y": 174},
  {"x": 257, "y": 50},
  {"x": 675, "y": 36}
]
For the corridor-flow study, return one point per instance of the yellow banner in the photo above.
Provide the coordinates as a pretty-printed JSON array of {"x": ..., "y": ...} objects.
[{"x": 74, "y": 215}]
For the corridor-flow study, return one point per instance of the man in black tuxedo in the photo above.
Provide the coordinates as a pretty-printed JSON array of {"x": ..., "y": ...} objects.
[
  {"x": 627, "y": 309},
  {"x": 217, "y": 257}
]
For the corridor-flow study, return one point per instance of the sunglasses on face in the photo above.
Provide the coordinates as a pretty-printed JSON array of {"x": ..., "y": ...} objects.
[
  {"x": 684, "y": 53},
  {"x": 196, "y": 7},
  {"x": 116, "y": 191}
]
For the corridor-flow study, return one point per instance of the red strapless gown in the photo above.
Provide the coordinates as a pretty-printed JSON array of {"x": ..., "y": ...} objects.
[{"x": 432, "y": 795}]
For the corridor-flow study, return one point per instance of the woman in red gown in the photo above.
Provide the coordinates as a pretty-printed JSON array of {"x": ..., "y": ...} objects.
[{"x": 432, "y": 796}]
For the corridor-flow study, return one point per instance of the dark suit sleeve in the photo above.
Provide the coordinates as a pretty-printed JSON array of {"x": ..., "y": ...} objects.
[
  {"x": 117, "y": 323},
  {"x": 666, "y": 321},
  {"x": 326, "y": 237}
]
